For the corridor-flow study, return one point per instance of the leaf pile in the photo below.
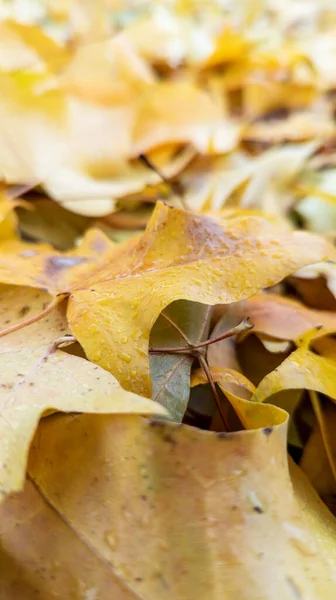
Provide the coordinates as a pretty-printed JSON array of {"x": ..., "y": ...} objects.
[{"x": 167, "y": 300}]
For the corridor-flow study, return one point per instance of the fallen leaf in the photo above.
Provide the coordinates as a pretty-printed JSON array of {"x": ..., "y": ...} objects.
[
  {"x": 222, "y": 472},
  {"x": 320, "y": 454},
  {"x": 36, "y": 377},
  {"x": 283, "y": 318},
  {"x": 18, "y": 304},
  {"x": 317, "y": 285},
  {"x": 117, "y": 306},
  {"x": 303, "y": 369},
  {"x": 41, "y": 266},
  {"x": 73, "y": 384}
]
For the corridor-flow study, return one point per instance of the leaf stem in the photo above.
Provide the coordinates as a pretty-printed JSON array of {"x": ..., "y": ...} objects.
[
  {"x": 34, "y": 318},
  {"x": 314, "y": 398},
  {"x": 177, "y": 189},
  {"x": 176, "y": 327},
  {"x": 207, "y": 372},
  {"x": 195, "y": 350},
  {"x": 244, "y": 325}
]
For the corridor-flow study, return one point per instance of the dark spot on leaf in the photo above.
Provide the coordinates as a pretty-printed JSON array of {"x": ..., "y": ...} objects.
[
  {"x": 158, "y": 424},
  {"x": 143, "y": 497},
  {"x": 8, "y": 321},
  {"x": 258, "y": 509},
  {"x": 7, "y": 386},
  {"x": 138, "y": 579},
  {"x": 224, "y": 435},
  {"x": 31, "y": 384},
  {"x": 58, "y": 263},
  {"x": 234, "y": 507},
  {"x": 23, "y": 311},
  {"x": 268, "y": 430},
  {"x": 169, "y": 438}
]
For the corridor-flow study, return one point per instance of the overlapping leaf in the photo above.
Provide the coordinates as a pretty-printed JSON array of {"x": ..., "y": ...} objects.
[
  {"x": 118, "y": 293},
  {"x": 108, "y": 107},
  {"x": 181, "y": 255},
  {"x": 36, "y": 377},
  {"x": 225, "y": 483}
]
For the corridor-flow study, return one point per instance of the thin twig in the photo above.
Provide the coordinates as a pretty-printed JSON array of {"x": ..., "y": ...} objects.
[
  {"x": 316, "y": 404},
  {"x": 176, "y": 327},
  {"x": 244, "y": 325},
  {"x": 173, "y": 350},
  {"x": 195, "y": 350},
  {"x": 35, "y": 318},
  {"x": 207, "y": 372},
  {"x": 177, "y": 189}
]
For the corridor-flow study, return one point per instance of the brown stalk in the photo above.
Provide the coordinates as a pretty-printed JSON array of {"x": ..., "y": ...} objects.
[
  {"x": 177, "y": 189},
  {"x": 177, "y": 328},
  {"x": 244, "y": 325},
  {"x": 34, "y": 318},
  {"x": 195, "y": 350},
  {"x": 212, "y": 384},
  {"x": 314, "y": 398}
]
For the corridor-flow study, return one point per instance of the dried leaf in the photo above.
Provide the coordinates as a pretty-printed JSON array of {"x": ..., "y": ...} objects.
[
  {"x": 222, "y": 472},
  {"x": 40, "y": 266},
  {"x": 320, "y": 453},
  {"x": 18, "y": 304},
  {"x": 303, "y": 369},
  {"x": 73, "y": 384},
  {"x": 283, "y": 318},
  {"x": 180, "y": 256}
]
